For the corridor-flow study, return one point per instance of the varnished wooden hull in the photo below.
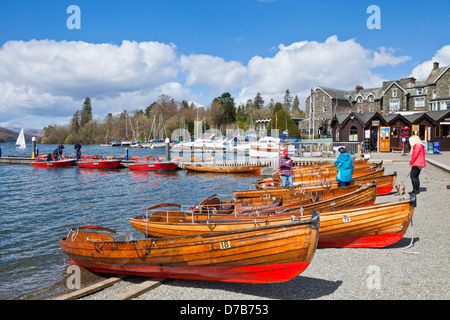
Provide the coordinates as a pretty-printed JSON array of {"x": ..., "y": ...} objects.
[
  {"x": 385, "y": 185},
  {"x": 318, "y": 168},
  {"x": 224, "y": 169},
  {"x": 262, "y": 255},
  {"x": 213, "y": 204},
  {"x": 317, "y": 199},
  {"x": 307, "y": 179},
  {"x": 376, "y": 225}
]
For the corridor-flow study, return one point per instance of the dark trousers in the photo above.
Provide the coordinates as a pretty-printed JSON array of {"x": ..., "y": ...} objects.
[
  {"x": 344, "y": 183},
  {"x": 415, "y": 172}
]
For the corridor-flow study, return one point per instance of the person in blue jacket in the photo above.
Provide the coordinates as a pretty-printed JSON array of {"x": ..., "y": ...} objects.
[{"x": 344, "y": 163}]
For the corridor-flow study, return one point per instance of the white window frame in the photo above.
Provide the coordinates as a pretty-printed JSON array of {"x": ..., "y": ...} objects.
[
  {"x": 394, "y": 104},
  {"x": 419, "y": 91},
  {"x": 394, "y": 92},
  {"x": 419, "y": 102},
  {"x": 434, "y": 94}
]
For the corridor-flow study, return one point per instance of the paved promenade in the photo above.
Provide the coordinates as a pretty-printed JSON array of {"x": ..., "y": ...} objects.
[{"x": 441, "y": 160}]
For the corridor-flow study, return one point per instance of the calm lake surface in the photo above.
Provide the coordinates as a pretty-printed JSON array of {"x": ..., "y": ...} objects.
[{"x": 39, "y": 205}]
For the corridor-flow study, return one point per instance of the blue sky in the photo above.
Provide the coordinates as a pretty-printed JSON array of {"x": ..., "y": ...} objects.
[{"x": 196, "y": 50}]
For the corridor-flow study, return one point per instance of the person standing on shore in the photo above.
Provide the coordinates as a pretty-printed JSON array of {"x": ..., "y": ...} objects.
[
  {"x": 344, "y": 163},
  {"x": 417, "y": 162},
  {"x": 286, "y": 174},
  {"x": 78, "y": 150}
]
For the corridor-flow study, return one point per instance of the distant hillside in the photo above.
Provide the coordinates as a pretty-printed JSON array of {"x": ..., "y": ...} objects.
[
  {"x": 31, "y": 132},
  {"x": 7, "y": 135}
]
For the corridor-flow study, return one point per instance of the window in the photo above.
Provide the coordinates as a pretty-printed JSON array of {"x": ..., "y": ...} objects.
[
  {"x": 324, "y": 97},
  {"x": 420, "y": 102},
  {"x": 353, "y": 134},
  {"x": 419, "y": 91},
  {"x": 359, "y": 99},
  {"x": 324, "y": 108},
  {"x": 396, "y": 132},
  {"x": 394, "y": 92},
  {"x": 445, "y": 131},
  {"x": 371, "y": 98},
  {"x": 434, "y": 94},
  {"x": 394, "y": 105},
  {"x": 433, "y": 106},
  {"x": 371, "y": 108},
  {"x": 437, "y": 131}
]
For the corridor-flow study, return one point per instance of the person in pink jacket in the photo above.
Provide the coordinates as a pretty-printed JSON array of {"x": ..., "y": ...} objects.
[{"x": 417, "y": 162}]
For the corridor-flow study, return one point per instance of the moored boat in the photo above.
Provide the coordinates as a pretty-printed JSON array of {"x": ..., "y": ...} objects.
[
  {"x": 150, "y": 163},
  {"x": 164, "y": 223},
  {"x": 224, "y": 169},
  {"x": 50, "y": 161},
  {"x": 385, "y": 184},
  {"x": 264, "y": 254},
  {"x": 375, "y": 225},
  {"x": 98, "y": 162},
  {"x": 316, "y": 177}
]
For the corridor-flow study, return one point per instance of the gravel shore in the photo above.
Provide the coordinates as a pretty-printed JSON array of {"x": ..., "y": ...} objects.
[{"x": 415, "y": 268}]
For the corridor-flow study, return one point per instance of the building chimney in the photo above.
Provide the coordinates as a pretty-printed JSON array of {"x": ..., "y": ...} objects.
[
  {"x": 435, "y": 65},
  {"x": 358, "y": 89}
]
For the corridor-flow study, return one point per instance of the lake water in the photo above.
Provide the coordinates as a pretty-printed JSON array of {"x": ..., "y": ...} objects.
[{"x": 39, "y": 205}]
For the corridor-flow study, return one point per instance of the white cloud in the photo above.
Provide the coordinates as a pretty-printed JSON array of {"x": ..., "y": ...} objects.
[
  {"x": 302, "y": 65},
  {"x": 51, "y": 79},
  {"x": 423, "y": 70}
]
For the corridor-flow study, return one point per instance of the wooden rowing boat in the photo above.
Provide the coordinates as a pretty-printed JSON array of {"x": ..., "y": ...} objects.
[
  {"x": 155, "y": 224},
  {"x": 302, "y": 169},
  {"x": 351, "y": 195},
  {"x": 265, "y": 254},
  {"x": 320, "y": 177},
  {"x": 385, "y": 184},
  {"x": 375, "y": 225},
  {"x": 224, "y": 169}
]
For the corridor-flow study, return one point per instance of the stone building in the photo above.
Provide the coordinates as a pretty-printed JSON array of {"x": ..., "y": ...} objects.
[{"x": 407, "y": 95}]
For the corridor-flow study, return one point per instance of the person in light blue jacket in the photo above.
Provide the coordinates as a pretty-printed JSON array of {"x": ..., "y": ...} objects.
[{"x": 344, "y": 163}]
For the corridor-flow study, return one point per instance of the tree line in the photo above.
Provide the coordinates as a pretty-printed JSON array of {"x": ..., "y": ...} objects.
[{"x": 165, "y": 115}]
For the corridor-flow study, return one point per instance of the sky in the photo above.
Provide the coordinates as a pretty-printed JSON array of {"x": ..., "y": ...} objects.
[{"x": 124, "y": 54}]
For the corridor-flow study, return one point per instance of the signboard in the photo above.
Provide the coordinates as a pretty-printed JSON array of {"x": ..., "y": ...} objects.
[
  {"x": 430, "y": 147},
  {"x": 436, "y": 147}
]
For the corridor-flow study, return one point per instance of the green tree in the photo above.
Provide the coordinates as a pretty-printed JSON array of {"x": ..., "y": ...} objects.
[
  {"x": 296, "y": 107},
  {"x": 75, "y": 123},
  {"x": 229, "y": 109},
  {"x": 288, "y": 99},
  {"x": 282, "y": 121},
  {"x": 86, "y": 112},
  {"x": 258, "y": 101}
]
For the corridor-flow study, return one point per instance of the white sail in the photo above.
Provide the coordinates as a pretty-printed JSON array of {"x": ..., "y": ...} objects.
[{"x": 21, "y": 140}]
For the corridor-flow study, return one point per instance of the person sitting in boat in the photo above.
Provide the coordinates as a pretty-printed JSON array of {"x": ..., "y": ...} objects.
[
  {"x": 55, "y": 154},
  {"x": 344, "y": 163},
  {"x": 49, "y": 157},
  {"x": 286, "y": 165}
]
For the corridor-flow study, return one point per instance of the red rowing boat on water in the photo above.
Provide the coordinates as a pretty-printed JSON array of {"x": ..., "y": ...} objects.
[
  {"x": 153, "y": 163},
  {"x": 45, "y": 161},
  {"x": 98, "y": 162}
]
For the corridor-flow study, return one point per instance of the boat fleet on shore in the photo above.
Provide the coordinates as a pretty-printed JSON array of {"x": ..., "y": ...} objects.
[{"x": 263, "y": 235}]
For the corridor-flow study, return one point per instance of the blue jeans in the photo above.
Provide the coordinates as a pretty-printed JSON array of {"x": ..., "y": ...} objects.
[
  {"x": 344, "y": 183},
  {"x": 285, "y": 179}
]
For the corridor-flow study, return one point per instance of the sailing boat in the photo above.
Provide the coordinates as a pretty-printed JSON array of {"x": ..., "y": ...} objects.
[{"x": 21, "y": 140}]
